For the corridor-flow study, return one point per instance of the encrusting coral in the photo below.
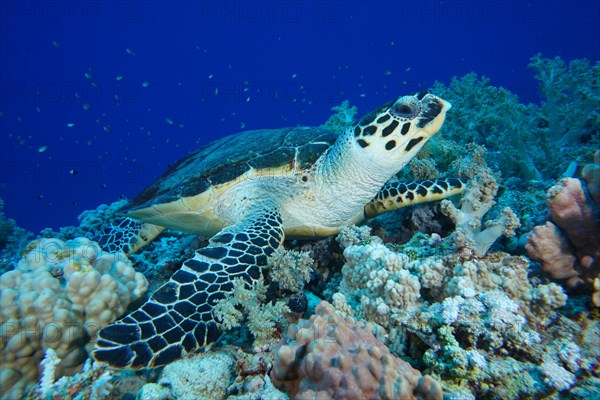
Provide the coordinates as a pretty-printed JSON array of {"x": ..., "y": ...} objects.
[
  {"x": 57, "y": 298},
  {"x": 202, "y": 376},
  {"x": 331, "y": 357}
]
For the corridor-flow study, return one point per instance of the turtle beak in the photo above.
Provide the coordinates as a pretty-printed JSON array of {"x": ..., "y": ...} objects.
[
  {"x": 446, "y": 107},
  {"x": 434, "y": 114}
]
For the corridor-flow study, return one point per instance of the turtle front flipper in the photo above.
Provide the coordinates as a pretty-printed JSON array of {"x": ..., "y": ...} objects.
[
  {"x": 178, "y": 318},
  {"x": 127, "y": 235},
  {"x": 395, "y": 195}
]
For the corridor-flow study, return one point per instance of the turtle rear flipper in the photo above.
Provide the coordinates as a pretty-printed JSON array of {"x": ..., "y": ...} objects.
[
  {"x": 395, "y": 195},
  {"x": 178, "y": 318},
  {"x": 127, "y": 235}
]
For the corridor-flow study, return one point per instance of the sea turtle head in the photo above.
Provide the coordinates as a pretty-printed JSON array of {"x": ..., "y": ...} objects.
[{"x": 397, "y": 130}]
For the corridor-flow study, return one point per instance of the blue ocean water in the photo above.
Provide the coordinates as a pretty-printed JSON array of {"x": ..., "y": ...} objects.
[{"x": 98, "y": 98}]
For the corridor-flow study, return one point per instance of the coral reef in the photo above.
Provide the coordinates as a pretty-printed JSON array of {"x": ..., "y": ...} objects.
[
  {"x": 163, "y": 256},
  {"x": 57, "y": 298},
  {"x": 477, "y": 321},
  {"x": 329, "y": 357},
  {"x": 480, "y": 322}
]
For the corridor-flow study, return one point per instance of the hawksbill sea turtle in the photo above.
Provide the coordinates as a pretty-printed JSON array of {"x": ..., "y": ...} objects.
[{"x": 249, "y": 191}]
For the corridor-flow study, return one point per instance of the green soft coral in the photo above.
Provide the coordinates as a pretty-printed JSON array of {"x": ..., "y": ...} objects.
[
  {"x": 571, "y": 98},
  {"x": 529, "y": 141},
  {"x": 342, "y": 119}
]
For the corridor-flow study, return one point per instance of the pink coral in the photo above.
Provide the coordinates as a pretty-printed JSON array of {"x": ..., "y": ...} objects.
[
  {"x": 331, "y": 357},
  {"x": 568, "y": 247}
]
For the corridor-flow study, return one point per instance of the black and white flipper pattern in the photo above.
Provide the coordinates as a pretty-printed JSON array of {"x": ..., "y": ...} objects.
[
  {"x": 127, "y": 235},
  {"x": 394, "y": 195},
  {"x": 178, "y": 319}
]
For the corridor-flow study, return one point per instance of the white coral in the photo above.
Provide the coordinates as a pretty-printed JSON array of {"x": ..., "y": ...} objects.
[
  {"x": 503, "y": 313},
  {"x": 557, "y": 376},
  {"x": 450, "y": 309},
  {"x": 378, "y": 279}
]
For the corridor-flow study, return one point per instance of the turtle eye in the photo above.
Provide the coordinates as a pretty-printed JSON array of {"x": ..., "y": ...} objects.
[{"x": 405, "y": 108}]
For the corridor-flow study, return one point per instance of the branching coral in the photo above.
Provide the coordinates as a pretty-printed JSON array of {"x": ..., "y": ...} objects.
[
  {"x": 58, "y": 297},
  {"x": 290, "y": 268},
  {"x": 248, "y": 303}
]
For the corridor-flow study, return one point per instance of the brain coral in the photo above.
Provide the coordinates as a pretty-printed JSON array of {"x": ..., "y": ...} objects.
[
  {"x": 331, "y": 357},
  {"x": 57, "y": 297}
]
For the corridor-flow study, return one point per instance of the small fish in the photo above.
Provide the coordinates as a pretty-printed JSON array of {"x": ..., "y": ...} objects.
[
  {"x": 407, "y": 69},
  {"x": 130, "y": 52},
  {"x": 88, "y": 75},
  {"x": 169, "y": 121},
  {"x": 145, "y": 84},
  {"x": 86, "y": 106},
  {"x": 55, "y": 44},
  {"x": 73, "y": 172},
  {"x": 42, "y": 149},
  {"x": 387, "y": 72},
  {"x": 119, "y": 77},
  {"x": 70, "y": 125}
]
